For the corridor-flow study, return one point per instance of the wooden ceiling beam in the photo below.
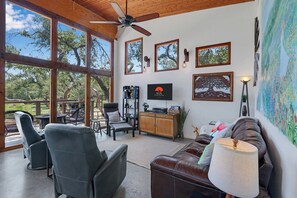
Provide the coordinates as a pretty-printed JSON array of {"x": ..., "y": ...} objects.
[{"x": 164, "y": 8}]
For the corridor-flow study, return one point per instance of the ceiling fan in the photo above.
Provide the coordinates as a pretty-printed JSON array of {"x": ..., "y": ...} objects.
[{"x": 126, "y": 20}]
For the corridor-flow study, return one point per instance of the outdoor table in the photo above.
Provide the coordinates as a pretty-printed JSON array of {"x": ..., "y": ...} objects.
[{"x": 44, "y": 119}]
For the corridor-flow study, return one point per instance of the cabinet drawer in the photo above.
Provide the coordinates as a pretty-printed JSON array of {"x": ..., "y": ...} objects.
[
  {"x": 164, "y": 116},
  {"x": 147, "y": 114}
]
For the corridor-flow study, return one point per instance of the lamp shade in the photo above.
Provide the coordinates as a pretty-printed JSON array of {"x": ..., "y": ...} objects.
[
  {"x": 245, "y": 78},
  {"x": 235, "y": 170}
]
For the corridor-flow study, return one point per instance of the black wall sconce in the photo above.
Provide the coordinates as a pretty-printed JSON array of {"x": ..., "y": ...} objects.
[
  {"x": 147, "y": 60},
  {"x": 186, "y": 53}
]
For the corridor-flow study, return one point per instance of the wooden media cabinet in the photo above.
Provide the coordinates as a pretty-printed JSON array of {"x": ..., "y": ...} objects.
[{"x": 159, "y": 124}]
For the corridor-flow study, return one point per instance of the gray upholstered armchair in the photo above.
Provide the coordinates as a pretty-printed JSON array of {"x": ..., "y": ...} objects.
[
  {"x": 34, "y": 145},
  {"x": 79, "y": 168}
]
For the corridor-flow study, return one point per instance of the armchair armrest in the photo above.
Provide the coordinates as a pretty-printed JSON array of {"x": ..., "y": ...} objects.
[
  {"x": 40, "y": 145},
  {"x": 37, "y": 154},
  {"x": 111, "y": 173}
]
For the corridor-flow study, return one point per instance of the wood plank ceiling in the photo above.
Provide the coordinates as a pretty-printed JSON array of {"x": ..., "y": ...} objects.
[{"x": 163, "y": 7}]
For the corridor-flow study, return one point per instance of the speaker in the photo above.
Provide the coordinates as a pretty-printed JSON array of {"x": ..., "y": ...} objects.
[
  {"x": 136, "y": 92},
  {"x": 126, "y": 91}
]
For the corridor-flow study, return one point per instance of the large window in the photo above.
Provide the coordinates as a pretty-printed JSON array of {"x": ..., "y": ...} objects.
[
  {"x": 26, "y": 89},
  {"x": 27, "y": 33},
  {"x": 71, "y": 45},
  {"x": 133, "y": 56},
  {"x": 31, "y": 82},
  {"x": 100, "y": 53}
]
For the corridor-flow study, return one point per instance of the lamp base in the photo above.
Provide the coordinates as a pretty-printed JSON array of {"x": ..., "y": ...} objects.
[{"x": 229, "y": 196}]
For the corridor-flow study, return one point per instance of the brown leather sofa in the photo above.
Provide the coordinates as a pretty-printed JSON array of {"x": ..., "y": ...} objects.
[{"x": 180, "y": 176}]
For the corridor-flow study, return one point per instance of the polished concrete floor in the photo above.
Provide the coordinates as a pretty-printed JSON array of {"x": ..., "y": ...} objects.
[{"x": 16, "y": 181}]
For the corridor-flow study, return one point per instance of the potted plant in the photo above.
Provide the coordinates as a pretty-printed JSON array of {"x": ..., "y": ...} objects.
[
  {"x": 145, "y": 106},
  {"x": 182, "y": 118}
]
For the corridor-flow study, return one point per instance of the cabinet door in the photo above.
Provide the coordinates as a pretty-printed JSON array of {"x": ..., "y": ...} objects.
[
  {"x": 147, "y": 123},
  {"x": 164, "y": 127}
]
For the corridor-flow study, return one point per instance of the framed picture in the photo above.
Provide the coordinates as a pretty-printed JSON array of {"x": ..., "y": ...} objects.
[
  {"x": 213, "y": 86},
  {"x": 166, "y": 55},
  {"x": 213, "y": 55},
  {"x": 133, "y": 56}
]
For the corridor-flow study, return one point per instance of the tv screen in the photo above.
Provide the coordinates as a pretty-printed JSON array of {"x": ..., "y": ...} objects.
[{"x": 159, "y": 91}]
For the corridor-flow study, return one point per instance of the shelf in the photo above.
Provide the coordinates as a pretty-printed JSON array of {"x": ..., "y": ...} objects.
[
  {"x": 130, "y": 108},
  {"x": 131, "y": 98}
]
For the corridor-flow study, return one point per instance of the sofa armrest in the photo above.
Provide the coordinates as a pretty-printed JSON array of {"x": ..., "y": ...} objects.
[
  {"x": 111, "y": 173},
  {"x": 182, "y": 170}
]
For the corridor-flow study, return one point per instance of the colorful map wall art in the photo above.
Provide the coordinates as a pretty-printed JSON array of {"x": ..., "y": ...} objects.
[{"x": 277, "y": 97}]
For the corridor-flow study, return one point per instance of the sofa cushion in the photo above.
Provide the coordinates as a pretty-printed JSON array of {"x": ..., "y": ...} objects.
[
  {"x": 203, "y": 139},
  {"x": 248, "y": 130}
]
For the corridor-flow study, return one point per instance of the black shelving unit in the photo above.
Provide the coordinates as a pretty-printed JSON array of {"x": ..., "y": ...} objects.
[{"x": 130, "y": 106}]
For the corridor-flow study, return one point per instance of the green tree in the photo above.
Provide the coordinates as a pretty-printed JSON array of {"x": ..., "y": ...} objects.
[
  {"x": 69, "y": 45},
  {"x": 167, "y": 56}
]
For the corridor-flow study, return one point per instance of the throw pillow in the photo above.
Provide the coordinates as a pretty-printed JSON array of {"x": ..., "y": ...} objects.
[
  {"x": 218, "y": 127},
  {"x": 113, "y": 116},
  {"x": 225, "y": 133},
  {"x": 205, "y": 158}
]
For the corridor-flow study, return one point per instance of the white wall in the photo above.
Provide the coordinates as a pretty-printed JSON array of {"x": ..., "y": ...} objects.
[
  {"x": 230, "y": 23},
  {"x": 282, "y": 152}
]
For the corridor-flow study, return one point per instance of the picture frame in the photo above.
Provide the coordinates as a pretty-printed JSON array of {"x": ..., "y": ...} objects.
[
  {"x": 167, "y": 56},
  {"x": 213, "y": 86},
  {"x": 134, "y": 56},
  {"x": 213, "y": 55}
]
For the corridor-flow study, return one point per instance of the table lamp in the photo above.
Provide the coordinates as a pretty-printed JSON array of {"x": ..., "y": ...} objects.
[{"x": 234, "y": 168}]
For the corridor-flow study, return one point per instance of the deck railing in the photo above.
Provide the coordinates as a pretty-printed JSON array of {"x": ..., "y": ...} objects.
[{"x": 42, "y": 106}]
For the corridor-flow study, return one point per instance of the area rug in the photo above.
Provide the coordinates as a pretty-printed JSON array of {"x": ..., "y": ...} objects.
[{"x": 142, "y": 149}]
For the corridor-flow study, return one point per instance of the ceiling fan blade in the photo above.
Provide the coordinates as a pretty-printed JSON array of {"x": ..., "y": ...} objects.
[
  {"x": 147, "y": 17},
  {"x": 106, "y": 22},
  {"x": 117, "y": 9},
  {"x": 141, "y": 30},
  {"x": 120, "y": 32}
]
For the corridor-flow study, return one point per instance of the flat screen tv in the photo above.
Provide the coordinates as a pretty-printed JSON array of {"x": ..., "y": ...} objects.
[{"x": 159, "y": 91}]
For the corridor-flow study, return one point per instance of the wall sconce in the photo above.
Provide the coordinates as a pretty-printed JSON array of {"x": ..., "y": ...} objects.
[
  {"x": 186, "y": 53},
  {"x": 147, "y": 60}
]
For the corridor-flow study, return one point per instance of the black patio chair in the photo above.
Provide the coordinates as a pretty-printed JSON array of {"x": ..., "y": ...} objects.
[
  {"x": 77, "y": 116},
  {"x": 107, "y": 108}
]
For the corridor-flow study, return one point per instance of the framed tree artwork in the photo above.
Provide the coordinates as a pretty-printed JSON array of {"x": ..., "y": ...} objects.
[
  {"x": 213, "y": 86},
  {"x": 213, "y": 55},
  {"x": 133, "y": 56},
  {"x": 166, "y": 56}
]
